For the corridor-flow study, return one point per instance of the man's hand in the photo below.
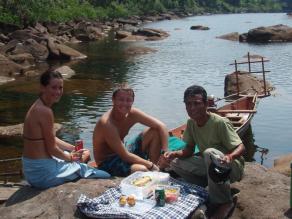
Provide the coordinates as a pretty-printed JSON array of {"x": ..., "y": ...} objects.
[
  {"x": 170, "y": 155},
  {"x": 227, "y": 159},
  {"x": 163, "y": 162}
]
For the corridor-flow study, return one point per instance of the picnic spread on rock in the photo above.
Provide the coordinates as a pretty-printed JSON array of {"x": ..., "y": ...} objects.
[{"x": 145, "y": 195}]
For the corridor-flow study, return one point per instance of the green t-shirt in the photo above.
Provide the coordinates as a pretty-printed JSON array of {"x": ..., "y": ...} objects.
[{"x": 217, "y": 133}]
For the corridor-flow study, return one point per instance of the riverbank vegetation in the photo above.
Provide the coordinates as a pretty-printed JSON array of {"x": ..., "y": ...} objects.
[{"x": 26, "y": 12}]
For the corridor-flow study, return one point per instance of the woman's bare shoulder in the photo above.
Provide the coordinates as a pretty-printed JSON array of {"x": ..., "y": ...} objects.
[{"x": 38, "y": 113}]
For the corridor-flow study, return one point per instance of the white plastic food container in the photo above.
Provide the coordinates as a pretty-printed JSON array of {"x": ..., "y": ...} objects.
[{"x": 143, "y": 190}]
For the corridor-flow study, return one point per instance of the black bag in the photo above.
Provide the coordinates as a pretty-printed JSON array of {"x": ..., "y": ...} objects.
[{"x": 219, "y": 174}]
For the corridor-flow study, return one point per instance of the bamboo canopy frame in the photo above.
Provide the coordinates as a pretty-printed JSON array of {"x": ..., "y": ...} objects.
[{"x": 263, "y": 72}]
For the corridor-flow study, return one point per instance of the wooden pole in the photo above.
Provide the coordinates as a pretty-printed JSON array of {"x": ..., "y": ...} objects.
[
  {"x": 248, "y": 60},
  {"x": 237, "y": 80},
  {"x": 264, "y": 76}
]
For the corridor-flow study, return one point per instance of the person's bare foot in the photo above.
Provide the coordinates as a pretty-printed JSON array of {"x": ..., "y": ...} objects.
[{"x": 225, "y": 210}]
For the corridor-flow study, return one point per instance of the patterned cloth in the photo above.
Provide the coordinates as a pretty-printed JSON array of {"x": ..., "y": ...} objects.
[{"x": 191, "y": 196}]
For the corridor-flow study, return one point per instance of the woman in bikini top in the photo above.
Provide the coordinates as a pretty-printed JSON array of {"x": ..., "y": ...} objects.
[{"x": 38, "y": 132}]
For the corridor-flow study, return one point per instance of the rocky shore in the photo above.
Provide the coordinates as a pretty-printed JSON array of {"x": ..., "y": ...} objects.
[
  {"x": 25, "y": 52},
  {"x": 263, "y": 193}
]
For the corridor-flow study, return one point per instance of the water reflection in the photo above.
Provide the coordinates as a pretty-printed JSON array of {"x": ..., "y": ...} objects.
[
  {"x": 251, "y": 148},
  {"x": 10, "y": 168},
  {"x": 107, "y": 61}
]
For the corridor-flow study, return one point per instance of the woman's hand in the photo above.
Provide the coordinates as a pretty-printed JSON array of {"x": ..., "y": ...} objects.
[
  {"x": 155, "y": 168},
  {"x": 76, "y": 155},
  {"x": 84, "y": 155}
]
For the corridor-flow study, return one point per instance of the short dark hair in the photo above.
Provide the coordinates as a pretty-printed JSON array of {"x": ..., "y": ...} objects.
[
  {"x": 48, "y": 75},
  {"x": 123, "y": 87},
  {"x": 194, "y": 90}
]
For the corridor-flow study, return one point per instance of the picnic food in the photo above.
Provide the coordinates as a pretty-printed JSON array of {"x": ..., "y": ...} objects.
[
  {"x": 171, "y": 195},
  {"x": 141, "y": 181},
  {"x": 131, "y": 200},
  {"x": 123, "y": 200}
]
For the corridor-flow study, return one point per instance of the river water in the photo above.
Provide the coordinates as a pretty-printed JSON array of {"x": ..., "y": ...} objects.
[{"x": 159, "y": 79}]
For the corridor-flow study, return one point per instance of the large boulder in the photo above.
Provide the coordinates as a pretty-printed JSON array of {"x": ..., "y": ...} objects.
[
  {"x": 234, "y": 36},
  {"x": 5, "y": 79},
  {"x": 23, "y": 35},
  {"x": 3, "y": 38},
  {"x": 38, "y": 51},
  {"x": 61, "y": 51},
  {"x": 86, "y": 31},
  {"x": 8, "y": 67},
  {"x": 56, "y": 202},
  {"x": 120, "y": 34},
  {"x": 276, "y": 33},
  {"x": 247, "y": 84},
  {"x": 10, "y": 46},
  {"x": 141, "y": 34},
  {"x": 263, "y": 194},
  {"x": 150, "y": 32},
  {"x": 66, "y": 52},
  {"x": 52, "y": 27},
  {"x": 17, "y": 130},
  {"x": 26, "y": 60},
  {"x": 65, "y": 71},
  {"x": 40, "y": 28},
  {"x": 199, "y": 27}
]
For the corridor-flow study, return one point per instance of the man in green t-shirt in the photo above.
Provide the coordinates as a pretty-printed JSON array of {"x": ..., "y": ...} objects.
[{"x": 218, "y": 143}]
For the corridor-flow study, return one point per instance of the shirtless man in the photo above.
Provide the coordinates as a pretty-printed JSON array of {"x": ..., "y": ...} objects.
[{"x": 142, "y": 153}]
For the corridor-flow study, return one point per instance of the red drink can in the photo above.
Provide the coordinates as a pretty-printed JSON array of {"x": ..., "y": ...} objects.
[{"x": 78, "y": 145}]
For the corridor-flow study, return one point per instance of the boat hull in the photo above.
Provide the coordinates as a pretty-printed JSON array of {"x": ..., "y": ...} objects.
[{"x": 239, "y": 112}]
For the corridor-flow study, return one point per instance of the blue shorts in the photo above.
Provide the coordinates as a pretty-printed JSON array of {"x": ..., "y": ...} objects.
[{"x": 116, "y": 166}]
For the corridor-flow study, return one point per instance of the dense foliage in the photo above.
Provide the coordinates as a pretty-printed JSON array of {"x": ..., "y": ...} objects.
[{"x": 24, "y": 12}]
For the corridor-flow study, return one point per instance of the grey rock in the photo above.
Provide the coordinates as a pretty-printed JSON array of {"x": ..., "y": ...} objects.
[
  {"x": 17, "y": 130},
  {"x": 199, "y": 27},
  {"x": 8, "y": 67},
  {"x": 234, "y": 36},
  {"x": 262, "y": 194},
  {"x": 39, "y": 51},
  {"x": 65, "y": 71},
  {"x": 276, "y": 33},
  {"x": 56, "y": 202},
  {"x": 248, "y": 84}
]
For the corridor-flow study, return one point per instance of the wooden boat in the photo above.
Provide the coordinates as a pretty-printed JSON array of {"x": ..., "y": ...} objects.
[{"x": 239, "y": 112}]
